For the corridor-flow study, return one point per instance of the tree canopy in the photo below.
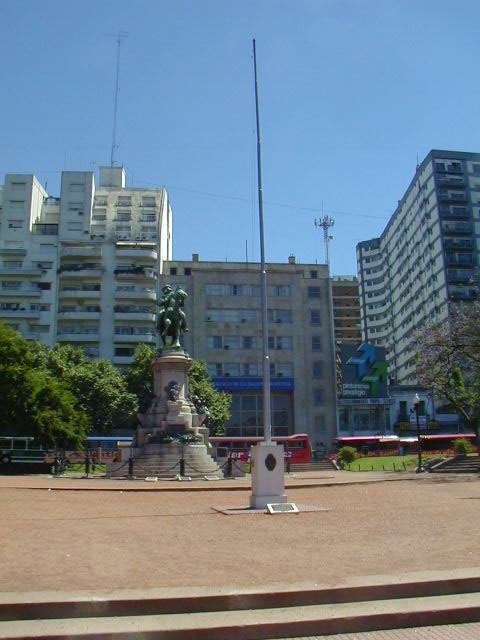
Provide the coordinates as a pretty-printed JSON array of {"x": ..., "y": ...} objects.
[
  {"x": 100, "y": 389},
  {"x": 33, "y": 401},
  {"x": 448, "y": 360}
]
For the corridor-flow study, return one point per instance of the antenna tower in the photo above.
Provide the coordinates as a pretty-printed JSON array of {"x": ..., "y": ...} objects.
[
  {"x": 325, "y": 223},
  {"x": 121, "y": 36}
]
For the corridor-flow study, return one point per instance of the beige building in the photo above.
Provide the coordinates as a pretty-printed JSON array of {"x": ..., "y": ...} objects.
[
  {"x": 223, "y": 308},
  {"x": 346, "y": 309},
  {"x": 83, "y": 268}
]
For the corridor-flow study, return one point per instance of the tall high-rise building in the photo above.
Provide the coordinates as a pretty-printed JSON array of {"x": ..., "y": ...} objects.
[
  {"x": 427, "y": 255},
  {"x": 346, "y": 309},
  {"x": 83, "y": 268}
]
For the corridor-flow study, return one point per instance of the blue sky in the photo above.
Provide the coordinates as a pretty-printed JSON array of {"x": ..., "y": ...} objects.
[{"x": 351, "y": 92}]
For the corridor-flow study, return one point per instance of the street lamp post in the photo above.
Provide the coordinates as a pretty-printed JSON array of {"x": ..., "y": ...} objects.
[{"x": 416, "y": 405}]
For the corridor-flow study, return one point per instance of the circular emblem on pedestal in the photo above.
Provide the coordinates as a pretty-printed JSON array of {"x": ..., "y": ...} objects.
[{"x": 270, "y": 462}]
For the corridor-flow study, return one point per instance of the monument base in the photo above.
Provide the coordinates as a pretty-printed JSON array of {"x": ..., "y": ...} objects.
[{"x": 268, "y": 478}]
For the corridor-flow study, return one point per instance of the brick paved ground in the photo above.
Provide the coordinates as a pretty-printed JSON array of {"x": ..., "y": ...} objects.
[
  {"x": 469, "y": 631},
  {"x": 101, "y": 541}
]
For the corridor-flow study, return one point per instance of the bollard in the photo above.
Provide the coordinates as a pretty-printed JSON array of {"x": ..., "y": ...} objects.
[
  {"x": 130, "y": 466},
  {"x": 229, "y": 467},
  {"x": 55, "y": 465},
  {"x": 182, "y": 467},
  {"x": 87, "y": 464},
  {"x": 289, "y": 462}
]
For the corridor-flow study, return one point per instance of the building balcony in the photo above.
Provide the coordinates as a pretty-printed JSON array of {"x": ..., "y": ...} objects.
[
  {"x": 88, "y": 252},
  {"x": 13, "y": 252},
  {"x": 140, "y": 253},
  {"x": 80, "y": 294},
  {"x": 130, "y": 274},
  {"x": 24, "y": 293},
  {"x": 77, "y": 337},
  {"x": 463, "y": 294},
  {"x": 452, "y": 181},
  {"x": 452, "y": 244},
  {"x": 457, "y": 228},
  {"x": 138, "y": 294},
  {"x": 66, "y": 272},
  {"x": 20, "y": 271},
  {"x": 135, "y": 337},
  {"x": 447, "y": 212},
  {"x": 459, "y": 196},
  {"x": 19, "y": 313},
  {"x": 453, "y": 260},
  {"x": 135, "y": 315},
  {"x": 78, "y": 315}
]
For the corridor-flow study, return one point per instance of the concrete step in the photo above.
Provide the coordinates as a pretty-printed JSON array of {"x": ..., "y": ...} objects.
[{"x": 244, "y": 616}]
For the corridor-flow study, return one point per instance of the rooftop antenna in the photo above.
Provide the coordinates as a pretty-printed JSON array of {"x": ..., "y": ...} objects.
[
  {"x": 121, "y": 36},
  {"x": 325, "y": 223}
]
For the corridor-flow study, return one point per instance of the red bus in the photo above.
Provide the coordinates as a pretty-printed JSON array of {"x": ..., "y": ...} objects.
[
  {"x": 393, "y": 445},
  {"x": 297, "y": 447}
]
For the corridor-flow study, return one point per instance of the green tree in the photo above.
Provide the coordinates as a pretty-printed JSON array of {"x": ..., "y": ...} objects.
[
  {"x": 217, "y": 402},
  {"x": 448, "y": 361},
  {"x": 100, "y": 389},
  {"x": 139, "y": 376},
  {"x": 34, "y": 402}
]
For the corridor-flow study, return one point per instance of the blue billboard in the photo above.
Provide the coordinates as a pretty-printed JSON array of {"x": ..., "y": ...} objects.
[{"x": 251, "y": 384}]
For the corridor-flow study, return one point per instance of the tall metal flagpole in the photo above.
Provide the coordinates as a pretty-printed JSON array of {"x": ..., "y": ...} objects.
[{"x": 267, "y": 426}]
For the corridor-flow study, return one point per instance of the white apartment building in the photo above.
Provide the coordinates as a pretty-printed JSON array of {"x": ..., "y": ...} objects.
[
  {"x": 83, "y": 268},
  {"x": 427, "y": 255},
  {"x": 223, "y": 311}
]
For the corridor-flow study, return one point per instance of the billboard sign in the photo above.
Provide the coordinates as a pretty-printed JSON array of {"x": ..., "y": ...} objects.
[{"x": 363, "y": 371}]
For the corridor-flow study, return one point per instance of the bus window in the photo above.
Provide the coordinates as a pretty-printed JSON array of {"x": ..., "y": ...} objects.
[
  {"x": 5, "y": 443},
  {"x": 19, "y": 444}
]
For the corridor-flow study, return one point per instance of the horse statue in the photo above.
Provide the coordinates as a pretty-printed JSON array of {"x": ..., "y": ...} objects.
[{"x": 172, "y": 321}]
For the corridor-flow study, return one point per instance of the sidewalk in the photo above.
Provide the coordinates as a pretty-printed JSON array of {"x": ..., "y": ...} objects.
[{"x": 468, "y": 631}]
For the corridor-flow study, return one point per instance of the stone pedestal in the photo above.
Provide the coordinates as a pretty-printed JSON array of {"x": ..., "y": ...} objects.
[
  {"x": 171, "y": 411},
  {"x": 268, "y": 478}
]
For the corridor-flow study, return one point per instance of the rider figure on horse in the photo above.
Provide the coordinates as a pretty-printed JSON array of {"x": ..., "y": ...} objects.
[{"x": 172, "y": 321}]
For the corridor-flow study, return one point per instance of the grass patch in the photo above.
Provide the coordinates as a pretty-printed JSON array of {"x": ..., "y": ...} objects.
[{"x": 387, "y": 463}]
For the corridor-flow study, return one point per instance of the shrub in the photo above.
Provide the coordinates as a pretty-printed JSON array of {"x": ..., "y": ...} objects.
[
  {"x": 346, "y": 455},
  {"x": 462, "y": 447},
  {"x": 404, "y": 426}
]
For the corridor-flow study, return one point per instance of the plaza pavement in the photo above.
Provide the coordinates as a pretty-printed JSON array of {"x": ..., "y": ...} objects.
[{"x": 77, "y": 536}]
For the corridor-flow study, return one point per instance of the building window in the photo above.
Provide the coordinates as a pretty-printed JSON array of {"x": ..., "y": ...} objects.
[
  {"x": 76, "y": 187},
  {"x": 215, "y": 290},
  {"x": 15, "y": 224},
  {"x": 283, "y": 316},
  {"x": 187, "y": 271},
  {"x": 315, "y": 318},
  {"x": 313, "y": 293},
  {"x": 250, "y": 369},
  {"x": 44, "y": 286},
  {"x": 316, "y": 343},
  {"x": 214, "y": 342},
  {"x": 231, "y": 342},
  {"x": 249, "y": 342},
  {"x": 214, "y": 369},
  {"x": 313, "y": 275},
  {"x": 317, "y": 370},
  {"x": 173, "y": 271},
  {"x": 124, "y": 201},
  {"x": 231, "y": 369},
  {"x": 318, "y": 397},
  {"x": 284, "y": 369}
]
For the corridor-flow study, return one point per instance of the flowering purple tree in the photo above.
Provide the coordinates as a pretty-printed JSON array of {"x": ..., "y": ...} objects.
[{"x": 448, "y": 360}]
